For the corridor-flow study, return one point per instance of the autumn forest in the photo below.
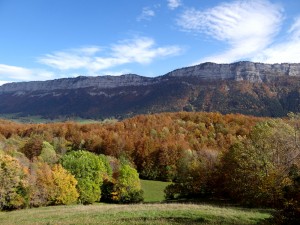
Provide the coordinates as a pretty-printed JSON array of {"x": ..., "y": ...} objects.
[{"x": 254, "y": 162}]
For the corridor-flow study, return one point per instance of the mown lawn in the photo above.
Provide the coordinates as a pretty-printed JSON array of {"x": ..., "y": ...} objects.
[
  {"x": 154, "y": 190},
  {"x": 133, "y": 214}
]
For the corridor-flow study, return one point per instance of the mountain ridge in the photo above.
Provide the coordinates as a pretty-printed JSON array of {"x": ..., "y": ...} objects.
[
  {"x": 253, "y": 72},
  {"x": 243, "y": 87}
]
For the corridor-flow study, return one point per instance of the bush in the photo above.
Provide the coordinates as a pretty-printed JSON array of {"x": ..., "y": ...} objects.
[{"x": 173, "y": 191}]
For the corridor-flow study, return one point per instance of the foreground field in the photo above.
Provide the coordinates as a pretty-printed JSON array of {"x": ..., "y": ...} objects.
[{"x": 133, "y": 214}]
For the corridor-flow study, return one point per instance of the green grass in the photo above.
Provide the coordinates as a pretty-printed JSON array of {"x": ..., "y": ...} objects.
[
  {"x": 153, "y": 190},
  {"x": 133, "y": 214},
  {"x": 24, "y": 119},
  {"x": 38, "y": 119}
]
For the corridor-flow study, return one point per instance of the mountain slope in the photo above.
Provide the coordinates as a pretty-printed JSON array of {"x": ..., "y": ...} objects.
[{"x": 243, "y": 87}]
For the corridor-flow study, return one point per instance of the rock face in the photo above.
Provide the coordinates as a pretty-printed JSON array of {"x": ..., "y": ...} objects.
[
  {"x": 242, "y": 87},
  {"x": 248, "y": 71},
  {"x": 253, "y": 72},
  {"x": 103, "y": 82}
]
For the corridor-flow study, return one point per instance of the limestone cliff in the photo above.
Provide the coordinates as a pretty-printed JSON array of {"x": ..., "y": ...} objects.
[
  {"x": 102, "y": 82},
  {"x": 253, "y": 72},
  {"x": 243, "y": 87},
  {"x": 248, "y": 71}
]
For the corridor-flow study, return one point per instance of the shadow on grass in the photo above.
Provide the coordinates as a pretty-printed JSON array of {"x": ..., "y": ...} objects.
[
  {"x": 210, "y": 201},
  {"x": 218, "y": 203},
  {"x": 165, "y": 220}
]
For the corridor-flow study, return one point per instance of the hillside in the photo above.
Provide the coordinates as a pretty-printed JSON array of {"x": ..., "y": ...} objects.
[
  {"x": 242, "y": 87},
  {"x": 151, "y": 142},
  {"x": 231, "y": 158}
]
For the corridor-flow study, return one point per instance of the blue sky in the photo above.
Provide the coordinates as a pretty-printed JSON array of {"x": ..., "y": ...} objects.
[{"x": 50, "y": 39}]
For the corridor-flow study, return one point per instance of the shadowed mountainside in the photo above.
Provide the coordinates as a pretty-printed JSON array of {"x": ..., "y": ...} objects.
[{"x": 243, "y": 87}]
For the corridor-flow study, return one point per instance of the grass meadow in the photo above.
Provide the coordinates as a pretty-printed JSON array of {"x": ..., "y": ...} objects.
[
  {"x": 154, "y": 190},
  {"x": 133, "y": 214},
  {"x": 152, "y": 212}
]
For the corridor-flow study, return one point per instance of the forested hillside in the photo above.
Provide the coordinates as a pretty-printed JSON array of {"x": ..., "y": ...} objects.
[
  {"x": 154, "y": 143},
  {"x": 243, "y": 87},
  {"x": 249, "y": 160}
]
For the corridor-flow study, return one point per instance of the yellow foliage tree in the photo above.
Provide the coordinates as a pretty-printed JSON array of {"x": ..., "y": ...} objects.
[
  {"x": 65, "y": 185},
  {"x": 13, "y": 184},
  {"x": 52, "y": 186}
]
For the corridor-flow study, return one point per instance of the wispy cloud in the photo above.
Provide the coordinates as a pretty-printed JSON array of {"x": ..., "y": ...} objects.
[
  {"x": 146, "y": 14},
  {"x": 140, "y": 50},
  {"x": 247, "y": 27},
  {"x": 71, "y": 59},
  {"x": 287, "y": 51},
  {"x": 14, "y": 73},
  {"x": 173, "y": 4},
  {"x": 295, "y": 29}
]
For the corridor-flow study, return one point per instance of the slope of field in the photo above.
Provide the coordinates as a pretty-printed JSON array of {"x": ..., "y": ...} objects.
[{"x": 133, "y": 214}]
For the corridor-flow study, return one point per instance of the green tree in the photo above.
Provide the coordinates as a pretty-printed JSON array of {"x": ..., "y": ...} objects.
[
  {"x": 249, "y": 177},
  {"x": 128, "y": 186},
  {"x": 255, "y": 170},
  {"x": 48, "y": 153},
  {"x": 89, "y": 170},
  {"x": 194, "y": 171}
]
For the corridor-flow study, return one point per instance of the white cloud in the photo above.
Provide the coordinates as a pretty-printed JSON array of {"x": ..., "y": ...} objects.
[
  {"x": 3, "y": 82},
  {"x": 295, "y": 29},
  {"x": 23, "y": 74},
  {"x": 14, "y": 72},
  {"x": 140, "y": 50},
  {"x": 287, "y": 51},
  {"x": 116, "y": 73},
  {"x": 246, "y": 26},
  {"x": 71, "y": 59},
  {"x": 173, "y": 4},
  {"x": 146, "y": 14}
]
